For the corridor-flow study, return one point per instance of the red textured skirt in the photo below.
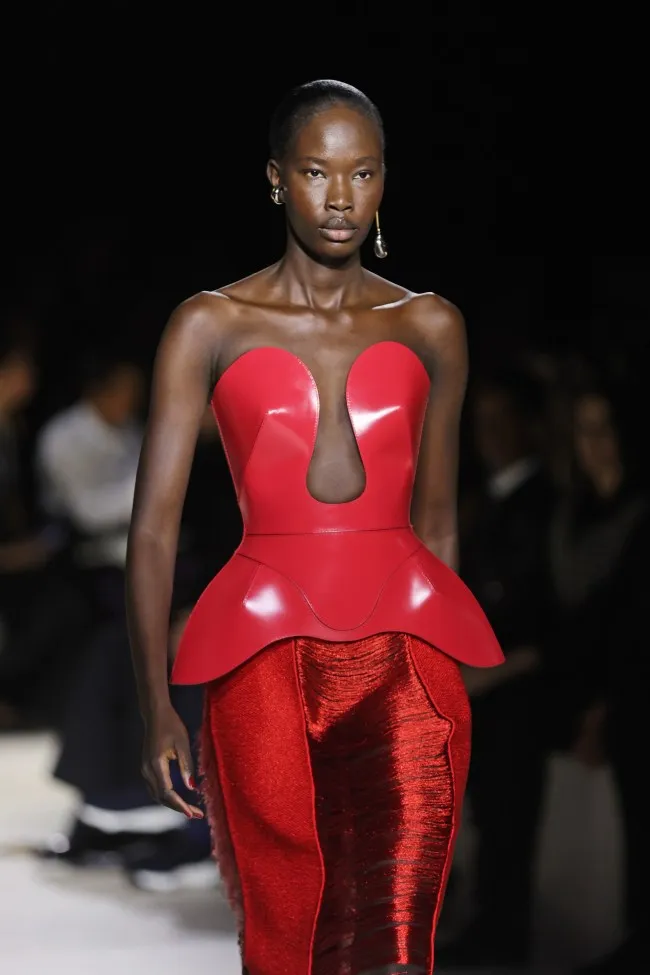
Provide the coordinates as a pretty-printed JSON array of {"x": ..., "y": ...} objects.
[{"x": 334, "y": 774}]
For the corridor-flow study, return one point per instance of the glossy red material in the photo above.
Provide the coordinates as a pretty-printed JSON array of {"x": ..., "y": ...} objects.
[
  {"x": 336, "y": 572},
  {"x": 334, "y": 775}
]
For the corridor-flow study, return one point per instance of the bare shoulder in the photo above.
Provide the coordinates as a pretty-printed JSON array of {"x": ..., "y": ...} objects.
[
  {"x": 434, "y": 320},
  {"x": 438, "y": 322},
  {"x": 204, "y": 313},
  {"x": 199, "y": 324}
]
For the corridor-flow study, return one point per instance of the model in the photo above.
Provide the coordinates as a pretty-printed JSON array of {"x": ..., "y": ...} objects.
[{"x": 337, "y": 728}]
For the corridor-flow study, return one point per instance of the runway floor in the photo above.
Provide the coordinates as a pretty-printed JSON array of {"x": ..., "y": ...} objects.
[{"x": 58, "y": 921}]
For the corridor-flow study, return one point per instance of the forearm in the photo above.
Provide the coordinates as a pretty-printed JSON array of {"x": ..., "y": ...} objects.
[{"x": 149, "y": 584}]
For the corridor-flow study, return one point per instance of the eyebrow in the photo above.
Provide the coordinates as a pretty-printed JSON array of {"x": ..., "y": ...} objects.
[{"x": 323, "y": 162}]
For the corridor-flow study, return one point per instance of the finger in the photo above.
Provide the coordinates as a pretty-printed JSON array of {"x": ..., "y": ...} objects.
[
  {"x": 167, "y": 795},
  {"x": 195, "y": 811},
  {"x": 172, "y": 800},
  {"x": 186, "y": 765},
  {"x": 165, "y": 792}
]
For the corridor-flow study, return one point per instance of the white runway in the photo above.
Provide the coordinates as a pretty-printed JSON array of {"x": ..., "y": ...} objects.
[{"x": 58, "y": 921}]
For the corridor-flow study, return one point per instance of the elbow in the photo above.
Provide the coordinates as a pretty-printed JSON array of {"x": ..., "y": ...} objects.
[
  {"x": 443, "y": 546},
  {"x": 439, "y": 530},
  {"x": 147, "y": 543},
  {"x": 435, "y": 519}
]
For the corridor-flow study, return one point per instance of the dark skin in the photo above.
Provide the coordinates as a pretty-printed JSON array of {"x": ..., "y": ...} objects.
[{"x": 321, "y": 304}]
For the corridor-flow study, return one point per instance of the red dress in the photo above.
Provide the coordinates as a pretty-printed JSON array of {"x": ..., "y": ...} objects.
[{"x": 336, "y": 736}]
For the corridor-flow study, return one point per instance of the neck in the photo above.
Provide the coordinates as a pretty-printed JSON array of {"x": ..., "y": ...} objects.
[
  {"x": 309, "y": 282},
  {"x": 102, "y": 410}
]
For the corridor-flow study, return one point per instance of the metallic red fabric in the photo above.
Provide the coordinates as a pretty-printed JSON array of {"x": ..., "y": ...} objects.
[{"x": 334, "y": 774}]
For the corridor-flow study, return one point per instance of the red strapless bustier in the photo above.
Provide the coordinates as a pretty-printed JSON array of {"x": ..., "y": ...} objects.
[{"x": 331, "y": 571}]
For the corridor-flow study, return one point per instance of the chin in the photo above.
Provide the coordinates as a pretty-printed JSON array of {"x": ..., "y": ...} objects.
[{"x": 326, "y": 252}]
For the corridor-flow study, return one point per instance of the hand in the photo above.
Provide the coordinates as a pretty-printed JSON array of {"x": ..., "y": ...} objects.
[
  {"x": 480, "y": 680},
  {"x": 167, "y": 739},
  {"x": 29, "y": 553}
]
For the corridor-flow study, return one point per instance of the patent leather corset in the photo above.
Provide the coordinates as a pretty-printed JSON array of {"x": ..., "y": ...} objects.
[{"x": 307, "y": 568}]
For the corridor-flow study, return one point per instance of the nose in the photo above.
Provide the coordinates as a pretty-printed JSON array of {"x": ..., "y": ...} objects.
[{"x": 339, "y": 197}]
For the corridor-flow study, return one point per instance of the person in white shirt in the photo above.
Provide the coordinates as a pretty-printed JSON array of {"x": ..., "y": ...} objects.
[{"x": 87, "y": 457}]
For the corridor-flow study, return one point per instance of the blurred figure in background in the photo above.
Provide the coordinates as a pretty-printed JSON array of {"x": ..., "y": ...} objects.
[
  {"x": 87, "y": 457},
  {"x": 503, "y": 562},
  {"x": 41, "y": 613},
  {"x": 599, "y": 548},
  {"x": 20, "y": 551},
  {"x": 92, "y": 480}
]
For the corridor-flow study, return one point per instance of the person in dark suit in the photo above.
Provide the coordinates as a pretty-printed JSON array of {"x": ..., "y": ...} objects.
[
  {"x": 503, "y": 561},
  {"x": 599, "y": 542}
]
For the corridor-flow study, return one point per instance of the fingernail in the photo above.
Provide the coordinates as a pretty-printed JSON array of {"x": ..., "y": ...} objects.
[{"x": 192, "y": 783}]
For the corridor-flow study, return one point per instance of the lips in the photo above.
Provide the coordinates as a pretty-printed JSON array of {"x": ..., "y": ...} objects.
[
  {"x": 338, "y": 229},
  {"x": 338, "y": 234}
]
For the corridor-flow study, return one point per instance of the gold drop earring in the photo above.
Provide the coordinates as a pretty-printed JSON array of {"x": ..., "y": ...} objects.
[
  {"x": 380, "y": 248},
  {"x": 276, "y": 195}
]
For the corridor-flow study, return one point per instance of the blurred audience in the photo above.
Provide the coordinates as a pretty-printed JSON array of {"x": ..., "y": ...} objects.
[
  {"x": 42, "y": 616},
  {"x": 87, "y": 459},
  {"x": 503, "y": 561},
  {"x": 599, "y": 540},
  {"x": 116, "y": 820},
  {"x": 21, "y": 550}
]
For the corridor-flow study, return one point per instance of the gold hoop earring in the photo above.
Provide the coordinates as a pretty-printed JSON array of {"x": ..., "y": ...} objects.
[
  {"x": 380, "y": 247},
  {"x": 276, "y": 195}
]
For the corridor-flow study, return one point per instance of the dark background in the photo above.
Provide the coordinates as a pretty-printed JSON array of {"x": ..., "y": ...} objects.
[{"x": 136, "y": 171}]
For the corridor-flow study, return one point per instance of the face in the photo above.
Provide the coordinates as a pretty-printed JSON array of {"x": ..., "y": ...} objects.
[
  {"x": 17, "y": 381},
  {"x": 122, "y": 397},
  {"x": 498, "y": 430},
  {"x": 333, "y": 180},
  {"x": 595, "y": 437}
]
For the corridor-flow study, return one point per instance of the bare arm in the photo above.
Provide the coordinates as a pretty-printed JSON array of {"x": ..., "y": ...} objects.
[
  {"x": 434, "y": 507},
  {"x": 180, "y": 389}
]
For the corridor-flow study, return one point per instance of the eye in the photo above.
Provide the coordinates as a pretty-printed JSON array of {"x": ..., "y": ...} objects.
[
  {"x": 313, "y": 173},
  {"x": 364, "y": 175}
]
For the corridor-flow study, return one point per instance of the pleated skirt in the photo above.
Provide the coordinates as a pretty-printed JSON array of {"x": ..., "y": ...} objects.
[{"x": 333, "y": 774}]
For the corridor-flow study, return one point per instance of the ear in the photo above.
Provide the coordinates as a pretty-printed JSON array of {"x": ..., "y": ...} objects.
[{"x": 273, "y": 173}]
